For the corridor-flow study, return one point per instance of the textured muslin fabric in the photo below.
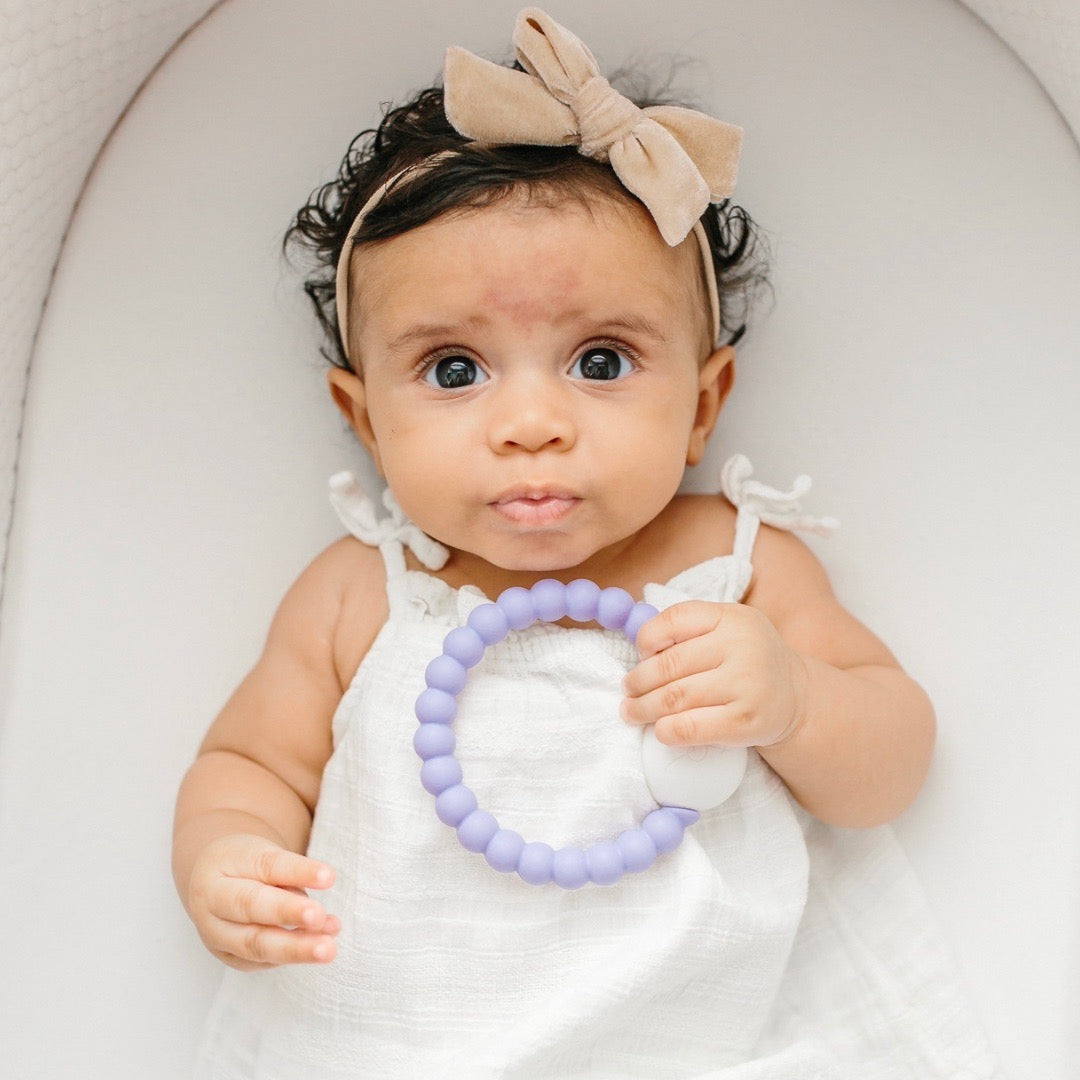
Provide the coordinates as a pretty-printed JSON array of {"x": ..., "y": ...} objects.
[{"x": 766, "y": 946}]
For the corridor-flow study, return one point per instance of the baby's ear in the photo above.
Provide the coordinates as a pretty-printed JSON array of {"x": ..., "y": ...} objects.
[
  {"x": 350, "y": 396},
  {"x": 715, "y": 380}
]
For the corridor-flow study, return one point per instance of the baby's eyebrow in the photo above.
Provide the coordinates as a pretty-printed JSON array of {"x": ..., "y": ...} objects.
[
  {"x": 434, "y": 331},
  {"x": 635, "y": 323}
]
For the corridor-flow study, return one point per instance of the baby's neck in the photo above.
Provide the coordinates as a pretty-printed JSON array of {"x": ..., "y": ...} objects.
[{"x": 613, "y": 566}]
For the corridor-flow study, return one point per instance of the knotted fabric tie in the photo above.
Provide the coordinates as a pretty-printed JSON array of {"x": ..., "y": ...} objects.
[
  {"x": 780, "y": 509},
  {"x": 675, "y": 160},
  {"x": 359, "y": 515}
]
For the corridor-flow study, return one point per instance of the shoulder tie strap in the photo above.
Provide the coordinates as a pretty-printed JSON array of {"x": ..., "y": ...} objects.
[
  {"x": 358, "y": 514},
  {"x": 757, "y": 502}
]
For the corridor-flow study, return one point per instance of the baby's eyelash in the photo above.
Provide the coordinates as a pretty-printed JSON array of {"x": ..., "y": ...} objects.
[
  {"x": 604, "y": 361},
  {"x": 611, "y": 343},
  {"x": 428, "y": 361},
  {"x": 450, "y": 369},
  {"x": 628, "y": 352}
]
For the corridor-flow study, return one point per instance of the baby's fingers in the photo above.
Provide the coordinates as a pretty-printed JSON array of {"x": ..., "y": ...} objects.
[
  {"x": 692, "y": 657},
  {"x": 275, "y": 865},
  {"x": 241, "y": 901},
  {"x": 681, "y": 622},
  {"x": 683, "y": 708},
  {"x": 715, "y": 725},
  {"x": 247, "y": 946}
]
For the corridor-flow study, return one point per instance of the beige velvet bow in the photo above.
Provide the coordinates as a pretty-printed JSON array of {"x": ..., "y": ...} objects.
[{"x": 675, "y": 160}]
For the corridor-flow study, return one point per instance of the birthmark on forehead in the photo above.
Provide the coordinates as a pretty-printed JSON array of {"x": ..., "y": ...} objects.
[{"x": 535, "y": 296}]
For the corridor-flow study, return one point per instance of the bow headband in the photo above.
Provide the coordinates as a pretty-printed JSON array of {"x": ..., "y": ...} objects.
[{"x": 675, "y": 160}]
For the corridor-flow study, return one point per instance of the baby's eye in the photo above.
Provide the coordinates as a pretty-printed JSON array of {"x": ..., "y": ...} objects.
[
  {"x": 601, "y": 364},
  {"x": 454, "y": 372}
]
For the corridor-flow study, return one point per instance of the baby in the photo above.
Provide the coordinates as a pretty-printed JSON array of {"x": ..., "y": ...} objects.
[{"x": 531, "y": 288}]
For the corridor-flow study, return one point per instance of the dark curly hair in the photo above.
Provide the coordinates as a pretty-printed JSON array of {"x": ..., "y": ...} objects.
[{"x": 477, "y": 175}]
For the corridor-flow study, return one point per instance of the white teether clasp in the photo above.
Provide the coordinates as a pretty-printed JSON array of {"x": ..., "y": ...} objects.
[{"x": 695, "y": 777}]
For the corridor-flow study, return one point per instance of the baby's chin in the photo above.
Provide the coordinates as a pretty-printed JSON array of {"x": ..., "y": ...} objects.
[
  {"x": 529, "y": 559},
  {"x": 535, "y": 565},
  {"x": 535, "y": 560}
]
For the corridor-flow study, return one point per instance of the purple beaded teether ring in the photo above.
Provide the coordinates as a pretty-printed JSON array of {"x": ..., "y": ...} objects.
[{"x": 602, "y": 863}]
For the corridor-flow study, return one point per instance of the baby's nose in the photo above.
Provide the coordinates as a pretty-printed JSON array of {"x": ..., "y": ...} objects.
[{"x": 531, "y": 415}]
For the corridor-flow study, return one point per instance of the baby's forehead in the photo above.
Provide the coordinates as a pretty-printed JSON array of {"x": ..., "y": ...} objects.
[{"x": 524, "y": 252}]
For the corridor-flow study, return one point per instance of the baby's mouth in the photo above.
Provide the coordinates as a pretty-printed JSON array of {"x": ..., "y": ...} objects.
[{"x": 535, "y": 507}]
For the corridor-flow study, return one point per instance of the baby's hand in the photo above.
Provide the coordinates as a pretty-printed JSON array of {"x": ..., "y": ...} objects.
[
  {"x": 715, "y": 674},
  {"x": 248, "y": 903}
]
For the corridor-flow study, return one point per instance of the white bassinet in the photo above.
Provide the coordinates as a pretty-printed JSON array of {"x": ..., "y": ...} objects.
[{"x": 922, "y": 361}]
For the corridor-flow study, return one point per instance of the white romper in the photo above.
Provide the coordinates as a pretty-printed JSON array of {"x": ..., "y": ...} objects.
[{"x": 766, "y": 947}]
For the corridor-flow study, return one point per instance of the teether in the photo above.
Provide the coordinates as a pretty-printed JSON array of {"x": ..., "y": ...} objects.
[{"x": 603, "y": 862}]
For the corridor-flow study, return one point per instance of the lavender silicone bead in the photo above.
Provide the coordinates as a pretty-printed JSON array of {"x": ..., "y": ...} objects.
[
  {"x": 613, "y": 608},
  {"x": 433, "y": 740},
  {"x": 582, "y": 596},
  {"x": 446, "y": 673},
  {"x": 568, "y": 869},
  {"x": 465, "y": 645},
  {"x": 436, "y": 707},
  {"x": 535, "y": 863},
  {"x": 476, "y": 830},
  {"x": 639, "y": 615},
  {"x": 685, "y": 815},
  {"x": 516, "y": 604},
  {"x": 664, "y": 829},
  {"x": 604, "y": 863},
  {"x": 455, "y": 804},
  {"x": 490, "y": 622},
  {"x": 637, "y": 850},
  {"x": 503, "y": 850},
  {"x": 439, "y": 773},
  {"x": 549, "y": 599}
]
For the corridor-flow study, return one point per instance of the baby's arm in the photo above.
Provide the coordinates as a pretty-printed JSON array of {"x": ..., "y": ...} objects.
[
  {"x": 791, "y": 672},
  {"x": 245, "y": 807}
]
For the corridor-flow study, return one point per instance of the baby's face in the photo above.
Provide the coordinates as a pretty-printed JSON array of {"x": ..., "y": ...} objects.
[{"x": 534, "y": 379}]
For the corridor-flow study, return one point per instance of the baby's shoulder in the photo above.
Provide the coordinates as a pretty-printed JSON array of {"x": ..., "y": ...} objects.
[
  {"x": 342, "y": 569},
  {"x": 347, "y": 583},
  {"x": 787, "y": 575},
  {"x": 782, "y": 562}
]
